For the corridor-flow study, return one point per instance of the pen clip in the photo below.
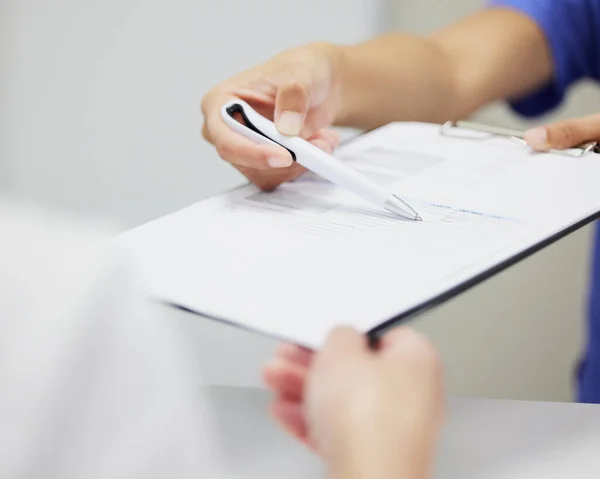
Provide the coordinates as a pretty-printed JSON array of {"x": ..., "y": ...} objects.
[{"x": 253, "y": 125}]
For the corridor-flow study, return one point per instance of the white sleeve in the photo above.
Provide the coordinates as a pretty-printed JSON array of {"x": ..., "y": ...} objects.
[{"x": 94, "y": 381}]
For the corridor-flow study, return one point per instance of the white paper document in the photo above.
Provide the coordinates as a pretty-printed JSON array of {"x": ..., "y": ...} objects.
[{"x": 296, "y": 262}]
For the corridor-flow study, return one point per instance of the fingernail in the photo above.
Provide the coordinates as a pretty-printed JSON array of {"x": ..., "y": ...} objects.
[
  {"x": 537, "y": 138},
  {"x": 289, "y": 123},
  {"x": 280, "y": 162}
]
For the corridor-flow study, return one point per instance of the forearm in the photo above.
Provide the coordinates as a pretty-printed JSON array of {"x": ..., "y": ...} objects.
[
  {"x": 395, "y": 77},
  {"x": 493, "y": 55}
]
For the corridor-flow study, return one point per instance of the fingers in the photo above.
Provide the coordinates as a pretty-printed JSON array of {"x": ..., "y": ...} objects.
[
  {"x": 412, "y": 354},
  {"x": 289, "y": 415},
  {"x": 564, "y": 134},
  {"x": 241, "y": 151},
  {"x": 235, "y": 148},
  {"x": 270, "y": 179},
  {"x": 344, "y": 342},
  {"x": 405, "y": 343},
  {"x": 291, "y": 107},
  {"x": 325, "y": 139},
  {"x": 295, "y": 354},
  {"x": 286, "y": 378},
  {"x": 286, "y": 374},
  {"x": 265, "y": 166}
]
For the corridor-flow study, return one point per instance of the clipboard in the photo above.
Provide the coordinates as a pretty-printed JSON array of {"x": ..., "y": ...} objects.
[
  {"x": 450, "y": 128},
  {"x": 465, "y": 130},
  {"x": 175, "y": 232}
]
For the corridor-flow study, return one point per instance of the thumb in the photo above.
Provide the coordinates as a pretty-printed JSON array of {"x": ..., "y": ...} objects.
[
  {"x": 564, "y": 134},
  {"x": 344, "y": 342},
  {"x": 409, "y": 347},
  {"x": 291, "y": 107}
]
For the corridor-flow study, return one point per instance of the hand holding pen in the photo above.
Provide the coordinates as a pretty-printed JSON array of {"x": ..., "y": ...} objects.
[
  {"x": 296, "y": 90},
  {"x": 243, "y": 119}
]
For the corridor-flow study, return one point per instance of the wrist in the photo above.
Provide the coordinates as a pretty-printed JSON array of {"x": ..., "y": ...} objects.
[
  {"x": 369, "y": 444},
  {"x": 341, "y": 59},
  {"x": 336, "y": 58},
  {"x": 337, "y": 62},
  {"x": 353, "y": 82}
]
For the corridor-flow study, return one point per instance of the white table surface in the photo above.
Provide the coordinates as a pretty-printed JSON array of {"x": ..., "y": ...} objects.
[{"x": 483, "y": 439}]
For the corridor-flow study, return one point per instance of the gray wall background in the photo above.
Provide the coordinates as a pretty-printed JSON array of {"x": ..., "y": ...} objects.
[{"x": 99, "y": 115}]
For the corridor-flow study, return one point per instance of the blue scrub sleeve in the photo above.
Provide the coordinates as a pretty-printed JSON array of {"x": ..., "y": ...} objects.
[{"x": 572, "y": 29}]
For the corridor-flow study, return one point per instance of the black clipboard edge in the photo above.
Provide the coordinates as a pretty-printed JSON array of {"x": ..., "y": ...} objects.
[{"x": 377, "y": 332}]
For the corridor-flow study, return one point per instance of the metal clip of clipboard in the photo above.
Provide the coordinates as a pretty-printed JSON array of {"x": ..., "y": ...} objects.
[{"x": 449, "y": 127}]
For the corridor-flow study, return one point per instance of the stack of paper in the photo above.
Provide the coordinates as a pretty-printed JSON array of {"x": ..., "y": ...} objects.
[{"x": 296, "y": 262}]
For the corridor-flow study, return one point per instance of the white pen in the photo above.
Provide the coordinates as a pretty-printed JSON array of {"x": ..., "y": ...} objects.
[{"x": 261, "y": 130}]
